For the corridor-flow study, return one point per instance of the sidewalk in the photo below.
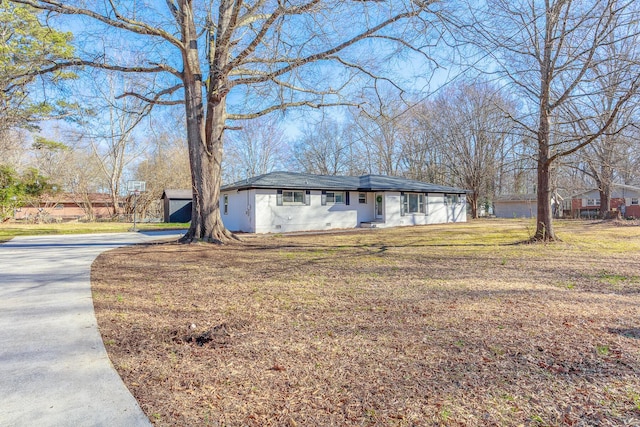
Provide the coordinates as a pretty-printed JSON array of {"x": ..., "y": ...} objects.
[{"x": 54, "y": 369}]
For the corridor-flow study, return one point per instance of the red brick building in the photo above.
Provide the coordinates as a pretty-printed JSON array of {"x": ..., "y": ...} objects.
[
  {"x": 624, "y": 199},
  {"x": 68, "y": 206}
]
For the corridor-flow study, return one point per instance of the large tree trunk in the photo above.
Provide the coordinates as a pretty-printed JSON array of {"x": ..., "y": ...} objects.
[
  {"x": 205, "y": 153},
  {"x": 544, "y": 223},
  {"x": 473, "y": 202},
  {"x": 115, "y": 202},
  {"x": 605, "y": 202},
  {"x": 205, "y": 130},
  {"x": 604, "y": 179}
]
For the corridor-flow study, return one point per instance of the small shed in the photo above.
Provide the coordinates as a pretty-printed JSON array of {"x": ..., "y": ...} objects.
[
  {"x": 526, "y": 206},
  {"x": 177, "y": 205},
  {"x": 516, "y": 206}
]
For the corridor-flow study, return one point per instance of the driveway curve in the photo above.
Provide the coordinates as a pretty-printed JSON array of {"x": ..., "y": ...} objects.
[{"x": 54, "y": 369}]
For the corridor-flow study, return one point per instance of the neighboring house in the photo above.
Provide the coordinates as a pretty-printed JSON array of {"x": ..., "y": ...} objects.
[
  {"x": 68, "y": 206},
  {"x": 623, "y": 198},
  {"x": 177, "y": 205},
  {"x": 286, "y": 201},
  {"x": 525, "y": 206}
]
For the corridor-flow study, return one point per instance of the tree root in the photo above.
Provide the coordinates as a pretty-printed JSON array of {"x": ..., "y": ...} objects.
[{"x": 217, "y": 237}]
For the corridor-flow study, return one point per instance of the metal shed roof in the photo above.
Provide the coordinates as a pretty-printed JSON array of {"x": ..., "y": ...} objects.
[{"x": 177, "y": 194}]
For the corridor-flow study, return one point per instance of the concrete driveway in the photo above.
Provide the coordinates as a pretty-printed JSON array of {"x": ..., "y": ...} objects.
[{"x": 54, "y": 369}]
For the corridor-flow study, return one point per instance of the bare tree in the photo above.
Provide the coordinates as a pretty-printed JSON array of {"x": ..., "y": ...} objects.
[
  {"x": 324, "y": 149},
  {"x": 110, "y": 132},
  {"x": 629, "y": 166},
  {"x": 277, "y": 53},
  {"x": 477, "y": 133},
  {"x": 380, "y": 133},
  {"x": 257, "y": 147},
  {"x": 548, "y": 52},
  {"x": 604, "y": 156},
  {"x": 165, "y": 166}
]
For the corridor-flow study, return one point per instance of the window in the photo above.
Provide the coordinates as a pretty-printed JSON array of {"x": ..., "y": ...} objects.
[
  {"x": 412, "y": 203},
  {"x": 634, "y": 200},
  {"x": 293, "y": 197},
  {"x": 593, "y": 202},
  {"x": 452, "y": 199},
  {"x": 59, "y": 206},
  {"x": 226, "y": 204},
  {"x": 362, "y": 198},
  {"x": 335, "y": 198}
]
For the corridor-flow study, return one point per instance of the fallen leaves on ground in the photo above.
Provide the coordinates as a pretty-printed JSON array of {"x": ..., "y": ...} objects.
[{"x": 434, "y": 325}]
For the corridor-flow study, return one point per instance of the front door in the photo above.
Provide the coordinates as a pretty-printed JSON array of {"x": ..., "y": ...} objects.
[{"x": 379, "y": 205}]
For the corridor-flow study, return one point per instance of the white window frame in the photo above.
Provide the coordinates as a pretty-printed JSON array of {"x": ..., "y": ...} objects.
[
  {"x": 225, "y": 199},
  {"x": 332, "y": 197},
  {"x": 405, "y": 204},
  {"x": 291, "y": 195},
  {"x": 593, "y": 202},
  {"x": 362, "y": 198},
  {"x": 634, "y": 201}
]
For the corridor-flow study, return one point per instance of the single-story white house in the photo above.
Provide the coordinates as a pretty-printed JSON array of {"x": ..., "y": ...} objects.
[{"x": 287, "y": 201}]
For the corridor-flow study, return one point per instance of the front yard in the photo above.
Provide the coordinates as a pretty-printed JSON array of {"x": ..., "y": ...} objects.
[{"x": 434, "y": 325}]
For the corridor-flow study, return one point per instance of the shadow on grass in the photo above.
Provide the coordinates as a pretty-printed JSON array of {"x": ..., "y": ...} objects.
[{"x": 626, "y": 332}]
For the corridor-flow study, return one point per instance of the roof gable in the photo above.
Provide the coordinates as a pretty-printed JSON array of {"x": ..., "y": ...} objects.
[{"x": 177, "y": 194}]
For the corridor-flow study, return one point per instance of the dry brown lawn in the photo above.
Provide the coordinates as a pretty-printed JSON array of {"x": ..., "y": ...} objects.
[{"x": 436, "y": 325}]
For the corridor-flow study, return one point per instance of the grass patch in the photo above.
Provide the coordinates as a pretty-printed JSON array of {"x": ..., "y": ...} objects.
[
  {"x": 11, "y": 230},
  {"x": 434, "y": 325}
]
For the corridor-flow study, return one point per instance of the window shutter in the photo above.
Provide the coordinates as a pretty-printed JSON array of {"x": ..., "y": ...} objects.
[
  {"x": 307, "y": 198},
  {"x": 402, "y": 201},
  {"x": 279, "y": 198},
  {"x": 584, "y": 202},
  {"x": 324, "y": 198},
  {"x": 346, "y": 197}
]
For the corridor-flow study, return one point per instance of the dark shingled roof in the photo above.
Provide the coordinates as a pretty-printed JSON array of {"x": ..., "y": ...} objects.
[{"x": 293, "y": 180}]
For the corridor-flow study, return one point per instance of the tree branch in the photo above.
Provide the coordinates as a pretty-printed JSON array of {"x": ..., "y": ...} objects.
[
  {"x": 121, "y": 23},
  {"x": 296, "y": 63},
  {"x": 155, "y": 100},
  {"x": 286, "y": 105}
]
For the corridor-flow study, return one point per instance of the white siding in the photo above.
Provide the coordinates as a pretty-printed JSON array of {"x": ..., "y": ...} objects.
[
  {"x": 436, "y": 209},
  {"x": 366, "y": 211},
  {"x": 273, "y": 218},
  {"x": 240, "y": 215},
  {"x": 457, "y": 212},
  {"x": 392, "y": 212},
  {"x": 438, "y": 212},
  {"x": 256, "y": 211}
]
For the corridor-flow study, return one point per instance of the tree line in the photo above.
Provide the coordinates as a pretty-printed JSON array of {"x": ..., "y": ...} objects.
[{"x": 494, "y": 97}]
